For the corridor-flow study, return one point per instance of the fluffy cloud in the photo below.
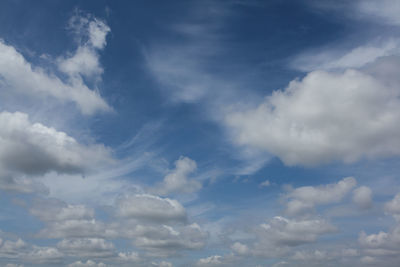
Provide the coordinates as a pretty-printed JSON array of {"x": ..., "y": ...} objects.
[
  {"x": 362, "y": 196},
  {"x": 304, "y": 199},
  {"x": 22, "y": 251},
  {"x": 393, "y": 207},
  {"x": 215, "y": 260},
  {"x": 240, "y": 248},
  {"x": 92, "y": 33},
  {"x": 177, "y": 180},
  {"x": 324, "y": 117},
  {"x": 266, "y": 183},
  {"x": 56, "y": 210},
  {"x": 19, "y": 76},
  {"x": 286, "y": 232},
  {"x": 29, "y": 149},
  {"x": 149, "y": 207},
  {"x": 87, "y": 247},
  {"x": 167, "y": 240},
  {"x": 88, "y": 263}
]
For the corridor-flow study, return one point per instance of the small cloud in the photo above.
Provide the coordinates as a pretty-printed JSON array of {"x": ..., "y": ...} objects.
[{"x": 266, "y": 183}]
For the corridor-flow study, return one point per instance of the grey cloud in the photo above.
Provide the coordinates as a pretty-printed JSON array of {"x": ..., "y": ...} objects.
[{"x": 30, "y": 149}]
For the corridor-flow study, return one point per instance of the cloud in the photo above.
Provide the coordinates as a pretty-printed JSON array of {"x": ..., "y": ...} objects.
[
  {"x": 84, "y": 62},
  {"x": 358, "y": 57},
  {"x": 316, "y": 255},
  {"x": 149, "y": 207},
  {"x": 304, "y": 199},
  {"x": 177, "y": 180},
  {"x": 87, "y": 247},
  {"x": 210, "y": 261},
  {"x": 55, "y": 210},
  {"x": 31, "y": 149},
  {"x": 322, "y": 118},
  {"x": 88, "y": 263},
  {"x": 393, "y": 207},
  {"x": 286, "y": 232},
  {"x": 279, "y": 235},
  {"x": 166, "y": 240},
  {"x": 239, "y": 248},
  {"x": 386, "y": 11},
  {"x": 362, "y": 196},
  {"x": 21, "y": 77},
  {"x": 266, "y": 183},
  {"x": 22, "y": 251}
]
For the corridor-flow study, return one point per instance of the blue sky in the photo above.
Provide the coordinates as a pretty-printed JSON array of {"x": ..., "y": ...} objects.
[{"x": 199, "y": 133}]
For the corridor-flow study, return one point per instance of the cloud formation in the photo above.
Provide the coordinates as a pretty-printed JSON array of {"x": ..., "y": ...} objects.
[
  {"x": 322, "y": 118},
  {"x": 30, "y": 149}
]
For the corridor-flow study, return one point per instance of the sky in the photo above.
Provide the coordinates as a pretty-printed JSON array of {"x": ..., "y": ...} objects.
[{"x": 200, "y": 133}]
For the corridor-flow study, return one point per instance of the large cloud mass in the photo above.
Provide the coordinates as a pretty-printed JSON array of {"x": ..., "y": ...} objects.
[
  {"x": 29, "y": 149},
  {"x": 324, "y": 117}
]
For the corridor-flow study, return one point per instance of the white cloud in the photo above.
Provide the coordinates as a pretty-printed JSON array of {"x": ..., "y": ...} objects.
[
  {"x": 393, "y": 206},
  {"x": 149, "y": 207},
  {"x": 316, "y": 255},
  {"x": 22, "y": 251},
  {"x": 30, "y": 149},
  {"x": 128, "y": 257},
  {"x": 382, "y": 244},
  {"x": 286, "y": 232},
  {"x": 162, "y": 264},
  {"x": 239, "y": 248},
  {"x": 304, "y": 199},
  {"x": 167, "y": 240},
  {"x": 322, "y": 118},
  {"x": 88, "y": 263},
  {"x": 358, "y": 57},
  {"x": 87, "y": 247},
  {"x": 55, "y": 210},
  {"x": 211, "y": 261},
  {"x": 386, "y": 11},
  {"x": 19, "y": 76},
  {"x": 177, "y": 180},
  {"x": 266, "y": 183},
  {"x": 276, "y": 238},
  {"x": 85, "y": 61},
  {"x": 362, "y": 196}
]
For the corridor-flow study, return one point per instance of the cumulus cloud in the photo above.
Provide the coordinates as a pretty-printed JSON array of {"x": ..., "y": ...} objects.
[
  {"x": 20, "y": 76},
  {"x": 316, "y": 255},
  {"x": 362, "y": 196},
  {"x": 287, "y": 232},
  {"x": 277, "y": 237},
  {"x": 92, "y": 34},
  {"x": 22, "y": 251},
  {"x": 177, "y": 181},
  {"x": 31, "y": 149},
  {"x": 304, "y": 199},
  {"x": 239, "y": 248},
  {"x": 215, "y": 260},
  {"x": 393, "y": 207},
  {"x": 158, "y": 226},
  {"x": 88, "y": 263},
  {"x": 324, "y": 117},
  {"x": 56, "y": 210},
  {"x": 167, "y": 240},
  {"x": 87, "y": 247},
  {"x": 381, "y": 244},
  {"x": 149, "y": 207}
]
